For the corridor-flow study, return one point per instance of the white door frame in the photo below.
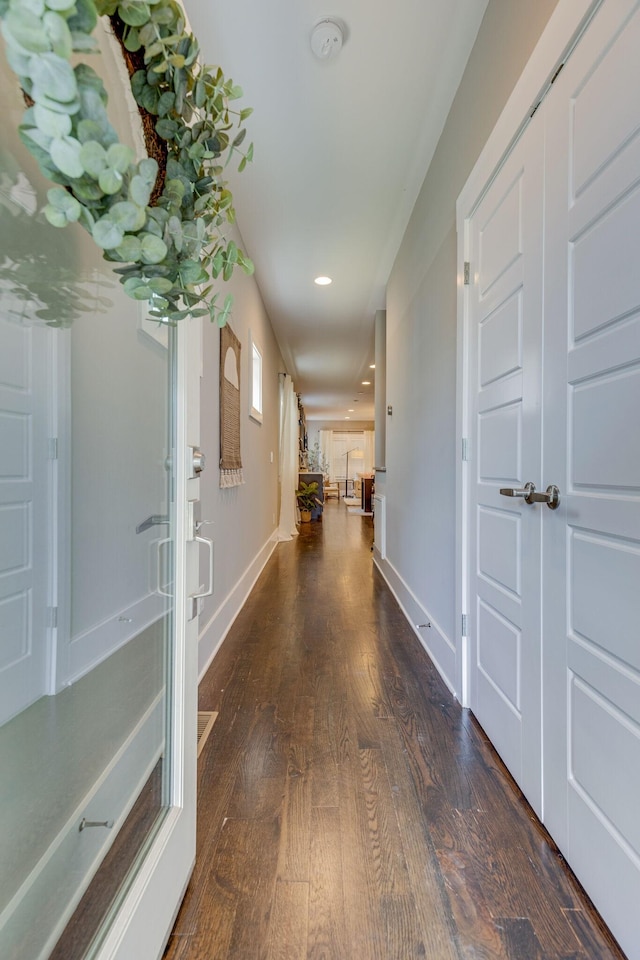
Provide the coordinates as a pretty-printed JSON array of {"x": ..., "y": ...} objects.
[
  {"x": 565, "y": 25},
  {"x": 145, "y": 919}
]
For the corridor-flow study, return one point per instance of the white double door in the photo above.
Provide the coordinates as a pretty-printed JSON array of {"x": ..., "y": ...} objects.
[{"x": 554, "y": 398}]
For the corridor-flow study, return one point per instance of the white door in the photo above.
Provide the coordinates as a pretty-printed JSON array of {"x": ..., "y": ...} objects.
[
  {"x": 592, "y": 452},
  {"x": 24, "y": 508},
  {"x": 505, "y": 331},
  {"x": 144, "y": 922}
]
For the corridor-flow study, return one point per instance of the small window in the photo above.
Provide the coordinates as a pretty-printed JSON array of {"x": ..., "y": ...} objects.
[{"x": 255, "y": 379}]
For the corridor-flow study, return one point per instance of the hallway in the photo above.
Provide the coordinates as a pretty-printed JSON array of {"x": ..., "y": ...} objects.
[{"x": 348, "y": 808}]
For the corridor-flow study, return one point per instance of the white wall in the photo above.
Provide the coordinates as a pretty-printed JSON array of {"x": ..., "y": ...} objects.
[
  {"x": 245, "y": 517},
  {"x": 419, "y": 484}
]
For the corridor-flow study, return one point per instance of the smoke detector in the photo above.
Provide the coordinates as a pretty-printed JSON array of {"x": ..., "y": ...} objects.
[{"x": 327, "y": 38}]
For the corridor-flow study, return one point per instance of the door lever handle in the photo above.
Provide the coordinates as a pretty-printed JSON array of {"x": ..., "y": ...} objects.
[
  {"x": 551, "y": 497},
  {"x": 526, "y": 492}
]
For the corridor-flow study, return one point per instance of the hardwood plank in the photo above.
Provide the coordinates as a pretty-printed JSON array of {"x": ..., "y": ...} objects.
[
  {"x": 326, "y": 936},
  {"x": 293, "y": 863},
  {"x": 287, "y": 939},
  {"x": 519, "y": 938},
  {"x": 435, "y": 917}
]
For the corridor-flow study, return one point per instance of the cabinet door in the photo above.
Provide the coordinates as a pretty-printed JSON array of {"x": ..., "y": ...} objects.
[
  {"x": 591, "y": 553},
  {"x": 505, "y": 329}
]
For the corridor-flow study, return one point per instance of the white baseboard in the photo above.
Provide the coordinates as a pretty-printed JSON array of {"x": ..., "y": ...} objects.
[
  {"x": 215, "y": 630},
  {"x": 434, "y": 640},
  {"x": 46, "y": 900}
]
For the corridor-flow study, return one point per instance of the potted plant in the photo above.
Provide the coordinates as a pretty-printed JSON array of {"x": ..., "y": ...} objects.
[{"x": 307, "y": 497}]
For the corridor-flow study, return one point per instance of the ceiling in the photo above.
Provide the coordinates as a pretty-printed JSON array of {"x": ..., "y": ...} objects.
[{"x": 341, "y": 150}]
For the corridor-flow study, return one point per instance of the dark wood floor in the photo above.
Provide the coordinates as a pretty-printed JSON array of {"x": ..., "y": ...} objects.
[{"x": 348, "y": 808}]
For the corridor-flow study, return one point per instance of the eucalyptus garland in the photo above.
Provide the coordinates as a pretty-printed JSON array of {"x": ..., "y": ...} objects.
[{"x": 162, "y": 221}]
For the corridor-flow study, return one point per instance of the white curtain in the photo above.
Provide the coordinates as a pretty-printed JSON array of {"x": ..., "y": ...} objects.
[
  {"x": 288, "y": 460},
  {"x": 326, "y": 448},
  {"x": 368, "y": 445}
]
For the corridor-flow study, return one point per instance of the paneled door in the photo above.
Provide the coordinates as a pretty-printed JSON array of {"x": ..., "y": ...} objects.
[
  {"x": 592, "y": 452},
  {"x": 553, "y": 326},
  {"x": 505, "y": 330},
  {"x": 25, "y": 498}
]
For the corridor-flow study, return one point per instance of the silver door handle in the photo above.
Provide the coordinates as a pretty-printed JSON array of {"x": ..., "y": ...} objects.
[
  {"x": 526, "y": 492},
  {"x": 209, "y": 590},
  {"x": 551, "y": 496}
]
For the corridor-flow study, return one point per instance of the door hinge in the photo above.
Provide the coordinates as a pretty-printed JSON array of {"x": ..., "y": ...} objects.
[
  {"x": 464, "y": 625},
  {"x": 466, "y": 449},
  {"x": 53, "y": 448},
  {"x": 467, "y": 273},
  {"x": 556, "y": 74},
  {"x": 52, "y": 617}
]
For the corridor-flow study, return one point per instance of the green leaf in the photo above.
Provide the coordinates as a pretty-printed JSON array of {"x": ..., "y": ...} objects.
[
  {"x": 127, "y": 216},
  {"x": 19, "y": 62},
  {"x": 53, "y": 77},
  {"x": 138, "y": 83},
  {"x": 139, "y": 191},
  {"x": 245, "y": 113},
  {"x": 106, "y": 234},
  {"x": 24, "y": 32},
  {"x": 83, "y": 42},
  {"x": 247, "y": 265},
  {"x": 173, "y": 191},
  {"x": 62, "y": 200},
  {"x": 93, "y": 156},
  {"x": 65, "y": 153},
  {"x": 166, "y": 103},
  {"x": 148, "y": 170},
  {"x": 129, "y": 249},
  {"x": 134, "y": 284},
  {"x": 160, "y": 285},
  {"x": 87, "y": 130},
  {"x": 87, "y": 190},
  {"x": 217, "y": 263},
  {"x": 55, "y": 217},
  {"x": 84, "y": 19},
  {"x": 34, "y": 7},
  {"x": 200, "y": 94},
  {"x": 110, "y": 181},
  {"x": 174, "y": 228},
  {"x": 154, "y": 250},
  {"x": 149, "y": 98},
  {"x": 226, "y": 310},
  {"x": 58, "y": 33},
  {"x": 192, "y": 272},
  {"x": 51, "y": 123},
  {"x": 166, "y": 129},
  {"x": 134, "y": 12},
  {"x": 132, "y": 40},
  {"x": 239, "y": 137},
  {"x": 119, "y": 157}
]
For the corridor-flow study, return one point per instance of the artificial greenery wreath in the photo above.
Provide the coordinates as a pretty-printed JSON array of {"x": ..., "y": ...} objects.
[{"x": 163, "y": 217}]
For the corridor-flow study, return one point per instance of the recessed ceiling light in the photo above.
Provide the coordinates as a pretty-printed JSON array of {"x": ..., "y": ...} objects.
[
  {"x": 372, "y": 366},
  {"x": 366, "y": 383},
  {"x": 347, "y": 418},
  {"x": 351, "y": 410},
  {"x": 322, "y": 281}
]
